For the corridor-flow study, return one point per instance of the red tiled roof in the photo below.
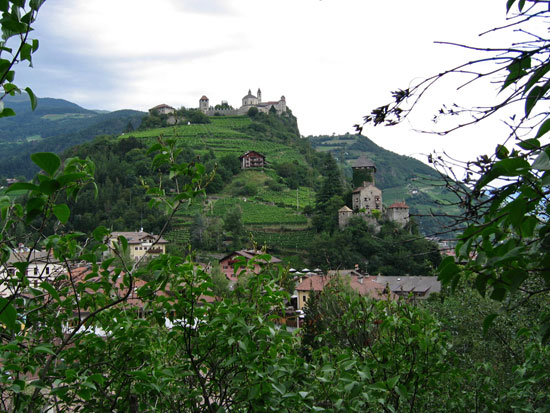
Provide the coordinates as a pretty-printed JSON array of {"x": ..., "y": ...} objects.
[
  {"x": 247, "y": 153},
  {"x": 249, "y": 254},
  {"x": 398, "y": 205},
  {"x": 162, "y": 105},
  {"x": 138, "y": 237},
  {"x": 365, "y": 287}
]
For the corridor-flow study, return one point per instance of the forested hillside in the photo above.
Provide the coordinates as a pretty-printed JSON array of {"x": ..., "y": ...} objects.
[
  {"x": 53, "y": 126},
  {"x": 290, "y": 205}
]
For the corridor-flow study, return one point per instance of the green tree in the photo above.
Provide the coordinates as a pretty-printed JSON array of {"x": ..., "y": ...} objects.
[
  {"x": 233, "y": 224},
  {"x": 504, "y": 194},
  {"x": 16, "y": 24}
]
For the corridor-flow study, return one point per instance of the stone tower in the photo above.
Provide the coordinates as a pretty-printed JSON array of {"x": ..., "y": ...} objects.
[
  {"x": 398, "y": 212},
  {"x": 344, "y": 215},
  {"x": 363, "y": 171},
  {"x": 259, "y": 95},
  {"x": 204, "y": 104}
]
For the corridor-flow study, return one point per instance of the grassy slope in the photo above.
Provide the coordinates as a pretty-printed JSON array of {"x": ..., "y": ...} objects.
[{"x": 270, "y": 215}]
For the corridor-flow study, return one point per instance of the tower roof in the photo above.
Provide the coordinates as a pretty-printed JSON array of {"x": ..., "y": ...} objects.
[
  {"x": 345, "y": 208},
  {"x": 204, "y": 97},
  {"x": 363, "y": 162},
  {"x": 399, "y": 205}
]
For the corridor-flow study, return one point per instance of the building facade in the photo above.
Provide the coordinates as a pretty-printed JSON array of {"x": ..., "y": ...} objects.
[
  {"x": 367, "y": 199},
  {"x": 252, "y": 159},
  {"x": 140, "y": 243},
  {"x": 248, "y": 101}
]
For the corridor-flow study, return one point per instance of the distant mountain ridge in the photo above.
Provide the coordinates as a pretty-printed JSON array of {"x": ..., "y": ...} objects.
[{"x": 55, "y": 125}]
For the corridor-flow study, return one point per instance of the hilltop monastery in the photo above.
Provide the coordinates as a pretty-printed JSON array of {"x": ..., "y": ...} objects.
[{"x": 248, "y": 101}]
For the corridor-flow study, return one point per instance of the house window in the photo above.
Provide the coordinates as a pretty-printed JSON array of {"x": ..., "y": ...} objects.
[
  {"x": 136, "y": 248},
  {"x": 47, "y": 270},
  {"x": 305, "y": 299},
  {"x": 35, "y": 270}
]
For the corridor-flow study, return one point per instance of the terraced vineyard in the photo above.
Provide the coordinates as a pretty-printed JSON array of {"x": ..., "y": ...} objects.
[
  {"x": 256, "y": 214},
  {"x": 284, "y": 241},
  {"x": 272, "y": 207},
  {"x": 225, "y": 135}
]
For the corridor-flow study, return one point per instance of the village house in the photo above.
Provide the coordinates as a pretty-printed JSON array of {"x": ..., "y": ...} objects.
[
  {"x": 163, "y": 109},
  {"x": 364, "y": 285},
  {"x": 42, "y": 267},
  {"x": 416, "y": 287},
  {"x": 140, "y": 243},
  {"x": 227, "y": 263},
  {"x": 252, "y": 159}
]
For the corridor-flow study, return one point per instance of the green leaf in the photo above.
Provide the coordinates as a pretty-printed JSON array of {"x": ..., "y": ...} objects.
[
  {"x": 544, "y": 128},
  {"x": 49, "y": 288},
  {"x": 509, "y": 4},
  {"x": 32, "y": 97},
  {"x": 18, "y": 186},
  {"x": 49, "y": 162},
  {"x": 123, "y": 242},
  {"x": 48, "y": 186},
  {"x": 26, "y": 50},
  {"x": 504, "y": 167},
  {"x": 530, "y": 144},
  {"x": 536, "y": 94},
  {"x": 69, "y": 178},
  {"x": 392, "y": 382},
  {"x": 62, "y": 212},
  {"x": 8, "y": 313},
  {"x": 447, "y": 270},
  {"x": 7, "y": 112},
  {"x": 502, "y": 152},
  {"x": 542, "y": 163},
  {"x": 100, "y": 233},
  {"x": 43, "y": 348},
  {"x": 10, "y": 89},
  {"x": 487, "y": 322}
]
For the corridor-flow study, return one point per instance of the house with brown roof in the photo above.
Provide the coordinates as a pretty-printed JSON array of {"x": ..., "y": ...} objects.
[
  {"x": 140, "y": 243},
  {"x": 252, "y": 159},
  {"x": 163, "y": 109},
  {"x": 227, "y": 263},
  {"x": 417, "y": 287},
  {"x": 42, "y": 266},
  {"x": 364, "y": 285}
]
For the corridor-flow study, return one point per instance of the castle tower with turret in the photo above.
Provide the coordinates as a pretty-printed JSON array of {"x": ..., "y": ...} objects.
[
  {"x": 363, "y": 171},
  {"x": 204, "y": 104}
]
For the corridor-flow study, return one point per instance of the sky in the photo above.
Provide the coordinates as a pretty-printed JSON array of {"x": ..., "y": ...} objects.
[{"x": 333, "y": 60}]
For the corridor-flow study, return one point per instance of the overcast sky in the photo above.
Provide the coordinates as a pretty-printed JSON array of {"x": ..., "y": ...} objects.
[{"x": 333, "y": 60}]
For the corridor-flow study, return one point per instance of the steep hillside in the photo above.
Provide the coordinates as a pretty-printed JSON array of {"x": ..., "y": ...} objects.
[
  {"x": 401, "y": 178},
  {"x": 275, "y": 205},
  {"x": 53, "y": 126}
]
